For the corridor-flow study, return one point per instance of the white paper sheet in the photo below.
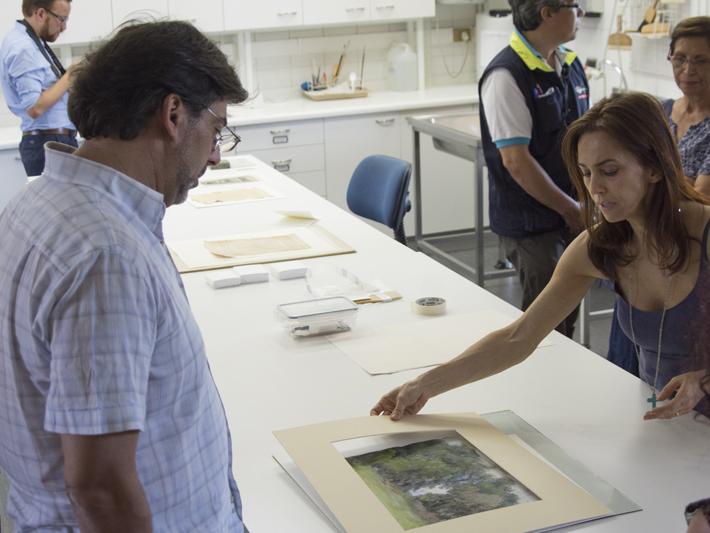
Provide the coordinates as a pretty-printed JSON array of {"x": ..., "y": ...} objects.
[{"x": 426, "y": 342}]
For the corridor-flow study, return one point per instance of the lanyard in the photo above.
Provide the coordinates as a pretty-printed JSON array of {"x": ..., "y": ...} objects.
[{"x": 46, "y": 51}]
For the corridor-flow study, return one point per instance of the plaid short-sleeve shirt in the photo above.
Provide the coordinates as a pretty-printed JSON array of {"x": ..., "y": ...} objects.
[{"x": 96, "y": 337}]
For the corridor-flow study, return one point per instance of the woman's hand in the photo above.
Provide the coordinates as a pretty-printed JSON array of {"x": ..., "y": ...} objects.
[
  {"x": 688, "y": 394},
  {"x": 407, "y": 399}
]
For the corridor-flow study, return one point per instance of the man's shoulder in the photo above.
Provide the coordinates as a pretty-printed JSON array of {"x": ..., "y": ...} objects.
[{"x": 65, "y": 221}]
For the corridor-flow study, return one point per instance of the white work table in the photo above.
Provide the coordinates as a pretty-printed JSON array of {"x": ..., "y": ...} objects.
[{"x": 270, "y": 381}]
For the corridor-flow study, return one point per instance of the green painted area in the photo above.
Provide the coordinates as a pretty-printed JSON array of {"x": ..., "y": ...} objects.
[{"x": 398, "y": 503}]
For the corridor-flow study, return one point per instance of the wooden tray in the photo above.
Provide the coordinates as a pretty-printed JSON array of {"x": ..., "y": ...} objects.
[{"x": 326, "y": 94}]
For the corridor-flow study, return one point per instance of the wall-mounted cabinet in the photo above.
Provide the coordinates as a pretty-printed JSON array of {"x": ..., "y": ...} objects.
[
  {"x": 208, "y": 18},
  {"x": 124, "y": 10},
  {"x": 317, "y": 12},
  {"x": 250, "y": 15},
  {"x": 88, "y": 22},
  {"x": 401, "y": 9}
]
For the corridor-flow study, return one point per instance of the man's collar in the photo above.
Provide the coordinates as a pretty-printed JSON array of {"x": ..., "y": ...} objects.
[
  {"x": 135, "y": 199},
  {"x": 532, "y": 58}
]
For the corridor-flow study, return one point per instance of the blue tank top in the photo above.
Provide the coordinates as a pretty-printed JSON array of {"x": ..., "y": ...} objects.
[{"x": 679, "y": 330}]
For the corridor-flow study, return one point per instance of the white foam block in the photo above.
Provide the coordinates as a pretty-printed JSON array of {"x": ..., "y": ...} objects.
[
  {"x": 289, "y": 270},
  {"x": 252, "y": 273},
  {"x": 223, "y": 278}
]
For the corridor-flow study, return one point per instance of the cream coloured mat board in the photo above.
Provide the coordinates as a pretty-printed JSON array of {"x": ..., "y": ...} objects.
[
  {"x": 426, "y": 342},
  {"x": 456, "y": 473},
  {"x": 215, "y": 196},
  {"x": 281, "y": 244}
]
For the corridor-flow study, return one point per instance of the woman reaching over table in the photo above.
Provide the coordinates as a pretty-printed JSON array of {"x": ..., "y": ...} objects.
[
  {"x": 689, "y": 116},
  {"x": 647, "y": 231}
]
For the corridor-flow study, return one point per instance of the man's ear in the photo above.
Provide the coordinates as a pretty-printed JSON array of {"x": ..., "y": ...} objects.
[
  {"x": 546, "y": 12},
  {"x": 172, "y": 113}
]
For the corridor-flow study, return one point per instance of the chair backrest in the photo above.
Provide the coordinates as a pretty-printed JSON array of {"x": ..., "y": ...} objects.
[{"x": 379, "y": 188}]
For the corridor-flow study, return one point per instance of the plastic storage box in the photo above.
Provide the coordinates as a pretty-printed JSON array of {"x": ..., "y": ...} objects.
[{"x": 318, "y": 317}]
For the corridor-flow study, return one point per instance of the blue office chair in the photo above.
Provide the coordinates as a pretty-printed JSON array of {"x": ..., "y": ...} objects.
[{"x": 379, "y": 190}]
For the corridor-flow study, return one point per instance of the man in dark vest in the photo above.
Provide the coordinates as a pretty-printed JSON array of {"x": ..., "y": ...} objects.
[{"x": 529, "y": 94}]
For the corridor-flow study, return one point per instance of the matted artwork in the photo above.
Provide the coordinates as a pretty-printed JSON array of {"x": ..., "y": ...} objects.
[
  {"x": 436, "y": 480},
  {"x": 458, "y": 473},
  {"x": 384, "y": 349},
  {"x": 281, "y": 244}
]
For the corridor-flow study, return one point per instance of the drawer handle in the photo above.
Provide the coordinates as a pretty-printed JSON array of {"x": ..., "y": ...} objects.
[
  {"x": 282, "y": 165},
  {"x": 388, "y": 6},
  {"x": 354, "y": 9},
  {"x": 280, "y": 132},
  {"x": 385, "y": 121},
  {"x": 287, "y": 13}
]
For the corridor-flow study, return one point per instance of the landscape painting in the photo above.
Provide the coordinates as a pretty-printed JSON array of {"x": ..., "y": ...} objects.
[{"x": 435, "y": 480}]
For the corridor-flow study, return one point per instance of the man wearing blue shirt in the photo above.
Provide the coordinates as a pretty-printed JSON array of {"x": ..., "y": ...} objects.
[
  {"x": 110, "y": 420},
  {"x": 34, "y": 82}
]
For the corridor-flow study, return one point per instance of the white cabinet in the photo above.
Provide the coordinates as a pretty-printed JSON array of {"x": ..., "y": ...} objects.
[
  {"x": 251, "y": 15},
  {"x": 144, "y": 10},
  {"x": 90, "y": 20},
  {"x": 294, "y": 148},
  {"x": 316, "y": 12},
  {"x": 348, "y": 140},
  {"x": 13, "y": 175},
  {"x": 401, "y": 9},
  {"x": 207, "y": 15}
]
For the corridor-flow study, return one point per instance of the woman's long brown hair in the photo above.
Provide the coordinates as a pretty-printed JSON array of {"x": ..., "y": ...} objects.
[{"x": 637, "y": 122}]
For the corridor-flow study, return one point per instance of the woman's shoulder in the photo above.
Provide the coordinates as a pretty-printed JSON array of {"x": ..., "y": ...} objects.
[{"x": 579, "y": 259}]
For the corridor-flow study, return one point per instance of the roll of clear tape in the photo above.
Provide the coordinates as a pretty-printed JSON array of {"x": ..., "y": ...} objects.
[{"x": 429, "y": 305}]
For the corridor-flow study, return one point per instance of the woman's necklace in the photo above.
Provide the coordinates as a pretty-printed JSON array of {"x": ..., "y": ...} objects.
[{"x": 669, "y": 290}]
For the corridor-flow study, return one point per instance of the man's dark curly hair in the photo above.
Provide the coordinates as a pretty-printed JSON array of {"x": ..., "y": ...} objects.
[{"x": 121, "y": 85}]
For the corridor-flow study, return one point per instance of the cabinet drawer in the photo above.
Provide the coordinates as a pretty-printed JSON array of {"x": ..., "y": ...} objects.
[
  {"x": 315, "y": 181},
  {"x": 280, "y": 135},
  {"x": 294, "y": 159}
]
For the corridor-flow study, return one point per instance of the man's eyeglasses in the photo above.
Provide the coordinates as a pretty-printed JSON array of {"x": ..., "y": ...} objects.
[
  {"x": 571, "y": 6},
  {"x": 678, "y": 62},
  {"x": 225, "y": 142},
  {"x": 61, "y": 19}
]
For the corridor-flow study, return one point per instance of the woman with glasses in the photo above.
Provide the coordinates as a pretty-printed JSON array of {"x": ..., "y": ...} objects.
[{"x": 689, "y": 116}]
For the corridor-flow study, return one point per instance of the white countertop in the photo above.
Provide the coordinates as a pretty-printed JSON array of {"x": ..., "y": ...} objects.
[
  {"x": 302, "y": 108},
  {"x": 376, "y": 102}
]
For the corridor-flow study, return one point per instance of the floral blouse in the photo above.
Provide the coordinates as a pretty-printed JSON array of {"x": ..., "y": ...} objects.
[{"x": 694, "y": 147}]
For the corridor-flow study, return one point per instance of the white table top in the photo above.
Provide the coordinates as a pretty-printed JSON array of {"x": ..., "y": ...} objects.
[{"x": 270, "y": 381}]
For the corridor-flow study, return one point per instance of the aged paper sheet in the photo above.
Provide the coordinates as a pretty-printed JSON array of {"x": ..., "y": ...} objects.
[
  {"x": 280, "y": 244},
  {"x": 256, "y": 245}
]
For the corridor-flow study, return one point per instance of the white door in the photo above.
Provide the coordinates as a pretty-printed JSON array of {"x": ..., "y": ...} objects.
[
  {"x": 401, "y": 9},
  {"x": 89, "y": 21},
  {"x": 251, "y": 15},
  {"x": 207, "y": 16},
  {"x": 348, "y": 140},
  {"x": 316, "y": 12},
  {"x": 143, "y": 10}
]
